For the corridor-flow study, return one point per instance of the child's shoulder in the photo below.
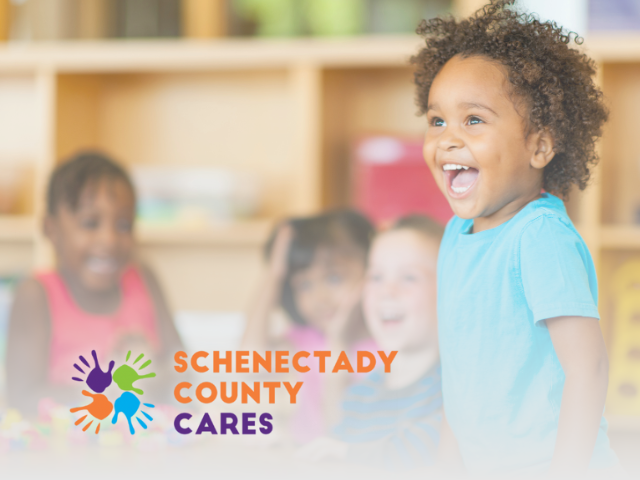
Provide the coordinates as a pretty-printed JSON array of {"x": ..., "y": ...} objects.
[
  {"x": 546, "y": 205},
  {"x": 141, "y": 273},
  {"x": 545, "y": 220},
  {"x": 31, "y": 289},
  {"x": 30, "y": 306}
]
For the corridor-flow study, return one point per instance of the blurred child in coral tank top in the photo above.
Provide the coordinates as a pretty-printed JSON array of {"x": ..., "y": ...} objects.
[{"x": 95, "y": 298}]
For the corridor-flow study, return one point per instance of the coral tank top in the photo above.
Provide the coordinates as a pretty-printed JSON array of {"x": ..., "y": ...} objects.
[{"x": 75, "y": 332}]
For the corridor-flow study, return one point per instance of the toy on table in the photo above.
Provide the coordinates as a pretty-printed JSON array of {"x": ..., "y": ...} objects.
[{"x": 55, "y": 428}]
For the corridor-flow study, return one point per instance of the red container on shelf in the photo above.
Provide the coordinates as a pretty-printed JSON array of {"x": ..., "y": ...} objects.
[{"x": 391, "y": 179}]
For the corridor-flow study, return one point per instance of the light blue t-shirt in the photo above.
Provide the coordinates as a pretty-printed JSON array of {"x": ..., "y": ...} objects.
[{"x": 501, "y": 379}]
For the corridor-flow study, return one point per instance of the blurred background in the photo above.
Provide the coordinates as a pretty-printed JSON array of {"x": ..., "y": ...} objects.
[{"x": 232, "y": 114}]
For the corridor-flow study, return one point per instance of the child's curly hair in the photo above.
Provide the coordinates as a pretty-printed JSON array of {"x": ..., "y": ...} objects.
[{"x": 554, "y": 80}]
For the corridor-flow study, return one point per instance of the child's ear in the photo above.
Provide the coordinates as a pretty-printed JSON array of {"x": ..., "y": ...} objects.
[
  {"x": 49, "y": 228},
  {"x": 543, "y": 149}
]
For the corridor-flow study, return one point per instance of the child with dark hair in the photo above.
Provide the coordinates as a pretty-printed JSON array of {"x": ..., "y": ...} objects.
[
  {"x": 392, "y": 419},
  {"x": 96, "y": 297},
  {"x": 316, "y": 266},
  {"x": 513, "y": 116}
]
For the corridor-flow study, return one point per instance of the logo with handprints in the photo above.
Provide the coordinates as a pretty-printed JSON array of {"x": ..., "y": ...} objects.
[{"x": 128, "y": 403}]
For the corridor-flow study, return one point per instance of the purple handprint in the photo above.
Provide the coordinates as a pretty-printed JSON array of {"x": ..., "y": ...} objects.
[{"x": 97, "y": 380}]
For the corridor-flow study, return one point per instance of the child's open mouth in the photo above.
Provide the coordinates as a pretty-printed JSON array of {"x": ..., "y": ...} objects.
[
  {"x": 459, "y": 178},
  {"x": 102, "y": 265},
  {"x": 391, "y": 319}
]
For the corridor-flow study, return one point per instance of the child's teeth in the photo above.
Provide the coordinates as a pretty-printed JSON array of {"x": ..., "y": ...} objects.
[
  {"x": 460, "y": 189},
  {"x": 390, "y": 313},
  {"x": 101, "y": 264},
  {"x": 453, "y": 166}
]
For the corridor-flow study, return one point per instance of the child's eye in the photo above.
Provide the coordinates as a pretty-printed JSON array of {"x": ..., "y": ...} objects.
[
  {"x": 334, "y": 278},
  {"x": 374, "y": 278},
  {"x": 124, "y": 226},
  {"x": 474, "y": 121},
  {"x": 89, "y": 223},
  {"x": 409, "y": 278},
  {"x": 437, "y": 122},
  {"x": 301, "y": 286}
]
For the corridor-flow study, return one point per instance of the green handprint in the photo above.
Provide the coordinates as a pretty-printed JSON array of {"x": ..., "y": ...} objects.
[{"x": 125, "y": 376}]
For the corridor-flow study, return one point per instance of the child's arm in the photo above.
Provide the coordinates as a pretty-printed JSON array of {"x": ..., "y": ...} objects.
[
  {"x": 580, "y": 348},
  {"x": 337, "y": 341},
  {"x": 448, "y": 458},
  {"x": 256, "y": 332},
  {"x": 411, "y": 446},
  {"x": 28, "y": 347}
]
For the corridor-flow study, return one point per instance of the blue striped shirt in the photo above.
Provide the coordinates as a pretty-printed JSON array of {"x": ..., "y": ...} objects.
[{"x": 394, "y": 429}]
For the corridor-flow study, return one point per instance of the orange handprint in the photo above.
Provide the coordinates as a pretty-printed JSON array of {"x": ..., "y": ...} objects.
[{"x": 100, "y": 408}]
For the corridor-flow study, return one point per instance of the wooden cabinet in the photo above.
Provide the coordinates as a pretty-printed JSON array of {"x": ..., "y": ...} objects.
[{"x": 284, "y": 110}]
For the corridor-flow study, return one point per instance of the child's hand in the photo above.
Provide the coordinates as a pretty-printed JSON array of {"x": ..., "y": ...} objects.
[
  {"x": 280, "y": 252},
  {"x": 582, "y": 353},
  {"x": 337, "y": 327},
  {"x": 323, "y": 448},
  {"x": 256, "y": 335}
]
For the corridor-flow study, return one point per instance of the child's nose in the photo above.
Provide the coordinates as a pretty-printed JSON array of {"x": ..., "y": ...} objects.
[
  {"x": 391, "y": 288},
  {"x": 108, "y": 237},
  {"x": 449, "y": 140}
]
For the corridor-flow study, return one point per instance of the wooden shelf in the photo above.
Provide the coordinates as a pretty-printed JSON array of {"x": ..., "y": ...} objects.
[
  {"x": 620, "y": 236},
  {"x": 22, "y": 228},
  {"x": 17, "y": 228},
  {"x": 251, "y": 53},
  {"x": 613, "y": 47},
  {"x": 211, "y": 55},
  {"x": 623, "y": 423},
  {"x": 241, "y": 233}
]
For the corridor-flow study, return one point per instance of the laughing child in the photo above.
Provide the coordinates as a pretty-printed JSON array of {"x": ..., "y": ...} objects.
[
  {"x": 513, "y": 117},
  {"x": 392, "y": 420},
  {"x": 97, "y": 298},
  {"x": 316, "y": 267}
]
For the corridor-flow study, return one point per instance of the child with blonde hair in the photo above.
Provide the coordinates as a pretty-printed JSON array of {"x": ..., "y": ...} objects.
[{"x": 392, "y": 420}]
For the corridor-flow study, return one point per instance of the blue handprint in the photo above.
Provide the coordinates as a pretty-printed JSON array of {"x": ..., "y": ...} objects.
[{"x": 128, "y": 404}]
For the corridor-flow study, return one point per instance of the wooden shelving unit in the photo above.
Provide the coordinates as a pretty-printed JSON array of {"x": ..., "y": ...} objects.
[
  {"x": 17, "y": 228},
  {"x": 285, "y": 110},
  {"x": 622, "y": 423},
  {"x": 25, "y": 228},
  {"x": 162, "y": 56},
  {"x": 249, "y": 233},
  {"x": 621, "y": 237}
]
